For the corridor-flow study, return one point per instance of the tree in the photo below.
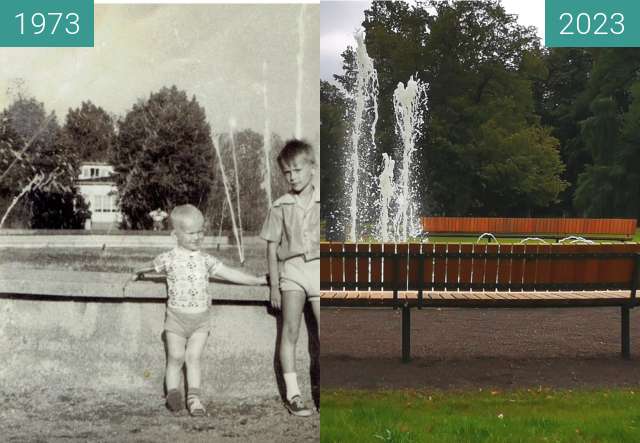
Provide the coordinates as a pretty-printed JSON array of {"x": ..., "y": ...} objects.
[
  {"x": 251, "y": 171},
  {"x": 162, "y": 156},
  {"x": 35, "y": 164},
  {"x": 480, "y": 127},
  {"x": 608, "y": 184},
  {"x": 561, "y": 106},
  {"x": 333, "y": 129},
  {"x": 90, "y": 132}
]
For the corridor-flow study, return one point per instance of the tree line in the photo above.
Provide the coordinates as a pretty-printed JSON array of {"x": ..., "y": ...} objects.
[
  {"x": 162, "y": 151},
  {"x": 511, "y": 128}
]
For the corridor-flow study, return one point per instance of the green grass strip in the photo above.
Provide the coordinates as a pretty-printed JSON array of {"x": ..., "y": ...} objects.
[{"x": 539, "y": 415}]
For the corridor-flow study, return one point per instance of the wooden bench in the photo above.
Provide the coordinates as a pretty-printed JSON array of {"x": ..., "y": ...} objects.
[
  {"x": 481, "y": 276},
  {"x": 556, "y": 228}
]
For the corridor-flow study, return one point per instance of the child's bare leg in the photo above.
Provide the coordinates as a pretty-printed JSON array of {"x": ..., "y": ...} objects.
[
  {"x": 195, "y": 346},
  {"x": 315, "y": 306},
  {"x": 292, "y": 306},
  {"x": 175, "y": 359}
]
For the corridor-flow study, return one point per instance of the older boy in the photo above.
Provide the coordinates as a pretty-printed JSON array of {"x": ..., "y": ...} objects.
[
  {"x": 292, "y": 230},
  {"x": 187, "y": 319}
]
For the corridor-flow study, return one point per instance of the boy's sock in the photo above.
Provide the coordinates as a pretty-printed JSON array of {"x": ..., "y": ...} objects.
[
  {"x": 291, "y": 383},
  {"x": 196, "y": 408},
  {"x": 193, "y": 392}
]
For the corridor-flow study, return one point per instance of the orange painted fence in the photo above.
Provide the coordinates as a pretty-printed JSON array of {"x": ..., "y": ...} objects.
[
  {"x": 489, "y": 267},
  {"x": 542, "y": 226}
]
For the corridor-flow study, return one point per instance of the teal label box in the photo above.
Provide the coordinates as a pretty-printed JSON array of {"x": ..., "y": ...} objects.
[
  {"x": 47, "y": 23},
  {"x": 592, "y": 23}
]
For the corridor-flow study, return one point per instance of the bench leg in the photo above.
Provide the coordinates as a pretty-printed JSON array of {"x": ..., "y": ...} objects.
[
  {"x": 406, "y": 334},
  {"x": 624, "y": 333}
]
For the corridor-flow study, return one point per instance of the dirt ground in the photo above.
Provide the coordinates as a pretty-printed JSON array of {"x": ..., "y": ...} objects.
[
  {"x": 462, "y": 349},
  {"x": 43, "y": 416}
]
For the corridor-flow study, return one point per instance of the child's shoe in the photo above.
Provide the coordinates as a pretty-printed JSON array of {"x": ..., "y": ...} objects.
[
  {"x": 297, "y": 407},
  {"x": 196, "y": 409},
  {"x": 174, "y": 400}
]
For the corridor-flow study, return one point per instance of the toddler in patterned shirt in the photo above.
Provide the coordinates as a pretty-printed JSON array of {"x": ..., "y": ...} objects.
[{"x": 186, "y": 325}]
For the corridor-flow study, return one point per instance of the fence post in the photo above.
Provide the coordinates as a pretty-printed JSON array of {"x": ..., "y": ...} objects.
[
  {"x": 406, "y": 333},
  {"x": 396, "y": 278}
]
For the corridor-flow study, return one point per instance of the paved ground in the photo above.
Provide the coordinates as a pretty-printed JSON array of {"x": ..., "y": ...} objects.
[
  {"x": 47, "y": 416},
  {"x": 478, "y": 348}
]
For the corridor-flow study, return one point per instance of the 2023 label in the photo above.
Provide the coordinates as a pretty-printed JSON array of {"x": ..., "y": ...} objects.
[
  {"x": 592, "y": 23},
  {"x": 599, "y": 23}
]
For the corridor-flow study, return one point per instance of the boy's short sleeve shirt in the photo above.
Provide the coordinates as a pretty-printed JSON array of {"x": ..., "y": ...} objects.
[
  {"x": 187, "y": 278},
  {"x": 295, "y": 228}
]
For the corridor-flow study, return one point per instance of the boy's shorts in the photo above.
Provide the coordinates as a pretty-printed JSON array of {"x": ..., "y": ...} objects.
[
  {"x": 185, "y": 325},
  {"x": 299, "y": 275}
]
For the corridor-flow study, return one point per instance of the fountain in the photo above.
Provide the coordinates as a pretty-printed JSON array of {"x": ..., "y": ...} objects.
[
  {"x": 366, "y": 90},
  {"x": 225, "y": 182},
  {"x": 266, "y": 183},
  {"x": 409, "y": 104},
  {"x": 232, "y": 128},
  {"x": 300, "y": 66},
  {"x": 387, "y": 190}
]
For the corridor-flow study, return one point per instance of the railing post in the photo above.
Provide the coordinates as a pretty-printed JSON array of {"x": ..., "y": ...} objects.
[
  {"x": 624, "y": 333},
  {"x": 396, "y": 277},
  {"x": 406, "y": 333}
]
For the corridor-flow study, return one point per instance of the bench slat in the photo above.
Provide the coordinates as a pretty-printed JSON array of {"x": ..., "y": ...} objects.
[
  {"x": 349, "y": 264},
  {"x": 325, "y": 266},
  {"x": 452, "y": 267},
  {"x": 363, "y": 267},
  {"x": 336, "y": 267}
]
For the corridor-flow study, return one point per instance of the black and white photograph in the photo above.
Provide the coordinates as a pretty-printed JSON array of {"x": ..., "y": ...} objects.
[{"x": 159, "y": 228}]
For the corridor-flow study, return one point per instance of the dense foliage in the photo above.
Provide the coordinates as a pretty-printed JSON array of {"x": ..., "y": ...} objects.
[
  {"x": 37, "y": 170},
  {"x": 511, "y": 129},
  {"x": 163, "y": 156}
]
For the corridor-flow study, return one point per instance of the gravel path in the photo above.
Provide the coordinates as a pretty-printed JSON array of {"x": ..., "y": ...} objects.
[
  {"x": 46, "y": 416},
  {"x": 464, "y": 349}
]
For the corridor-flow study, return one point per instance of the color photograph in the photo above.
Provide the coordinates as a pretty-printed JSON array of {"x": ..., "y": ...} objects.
[{"x": 479, "y": 250}]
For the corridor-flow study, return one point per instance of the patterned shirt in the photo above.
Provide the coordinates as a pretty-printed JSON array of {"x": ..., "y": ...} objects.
[
  {"x": 187, "y": 278},
  {"x": 294, "y": 227}
]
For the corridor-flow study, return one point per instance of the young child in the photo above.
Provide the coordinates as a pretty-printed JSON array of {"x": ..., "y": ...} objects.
[
  {"x": 187, "y": 318},
  {"x": 292, "y": 230}
]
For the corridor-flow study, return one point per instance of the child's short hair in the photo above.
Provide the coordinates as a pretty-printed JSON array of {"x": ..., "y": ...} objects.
[
  {"x": 294, "y": 148},
  {"x": 182, "y": 212}
]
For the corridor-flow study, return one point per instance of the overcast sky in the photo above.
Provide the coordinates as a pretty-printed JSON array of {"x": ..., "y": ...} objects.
[
  {"x": 339, "y": 20},
  {"x": 216, "y": 52}
]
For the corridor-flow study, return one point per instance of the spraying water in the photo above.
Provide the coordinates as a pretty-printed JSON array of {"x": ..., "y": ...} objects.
[
  {"x": 266, "y": 181},
  {"x": 366, "y": 90},
  {"x": 408, "y": 104},
  {"x": 225, "y": 182},
  {"x": 300, "y": 63},
  {"x": 386, "y": 194},
  {"x": 232, "y": 127}
]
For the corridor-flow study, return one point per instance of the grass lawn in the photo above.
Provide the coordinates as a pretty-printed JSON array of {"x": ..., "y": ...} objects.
[{"x": 542, "y": 415}]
